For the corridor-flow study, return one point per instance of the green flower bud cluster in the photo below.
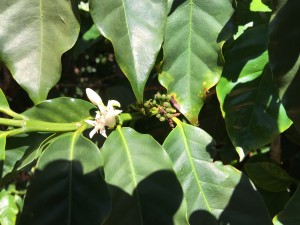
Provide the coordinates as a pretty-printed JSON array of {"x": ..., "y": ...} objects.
[{"x": 161, "y": 107}]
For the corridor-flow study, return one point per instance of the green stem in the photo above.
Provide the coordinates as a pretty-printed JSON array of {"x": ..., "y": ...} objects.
[
  {"x": 36, "y": 125},
  {"x": 14, "y": 132},
  {"x": 125, "y": 117},
  {"x": 12, "y": 114},
  {"x": 12, "y": 122},
  {"x": 176, "y": 120}
]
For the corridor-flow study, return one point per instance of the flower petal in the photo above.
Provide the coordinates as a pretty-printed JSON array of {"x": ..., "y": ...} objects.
[
  {"x": 102, "y": 109},
  {"x": 113, "y": 103},
  {"x": 110, "y": 119},
  {"x": 93, "y": 97},
  {"x": 93, "y": 132},
  {"x": 91, "y": 122},
  {"x": 117, "y": 112},
  {"x": 103, "y": 132}
]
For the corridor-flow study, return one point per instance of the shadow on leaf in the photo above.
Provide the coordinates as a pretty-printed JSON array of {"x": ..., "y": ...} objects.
[
  {"x": 62, "y": 194},
  {"x": 155, "y": 201}
]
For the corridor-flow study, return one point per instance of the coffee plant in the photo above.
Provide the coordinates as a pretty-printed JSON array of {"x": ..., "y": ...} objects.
[{"x": 200, "y": 123}]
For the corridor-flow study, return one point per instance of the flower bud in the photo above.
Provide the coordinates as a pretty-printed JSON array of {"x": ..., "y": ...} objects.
[
  {"x": 162, "y": 119},
  {"x": 93, "y": 97},
  {"x": 166, "y": 104},
  {"x": 157, "y": 96}
]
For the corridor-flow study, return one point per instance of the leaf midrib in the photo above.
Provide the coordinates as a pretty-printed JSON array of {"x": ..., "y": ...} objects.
[
  {"x": 74, "y": 137},
  {"x": 132, "y": 171},
  {"x": 129, "y": 34},
  {"x": 41, "y": 43},
  {"x": 188, "y": 151},
  {"x": 189, "y": 48}
]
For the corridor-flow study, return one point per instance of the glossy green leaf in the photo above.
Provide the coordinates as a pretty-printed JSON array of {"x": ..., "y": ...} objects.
[
  {"x": 3, "y": 101},
  {"x": 20, "y": 152},
  {"x": 136, "y": 30},
  {"x": 215, "y": 194},
  {"x": 61, "y": 110},
  {"x": 268, "y": 176},
  {"x": 191, "y": 52},
  {"x": 251, "y": 107},
  {"x": 290, "y": 214},
  {"x": 143, "y": 185},
  {"x": 259, "y": 6},
  {"x": 67, "y": 187},
  {"x": 34, "y": 34},
  {"x": 284, "y": 51},
  {"x": 8, "y": 208}
]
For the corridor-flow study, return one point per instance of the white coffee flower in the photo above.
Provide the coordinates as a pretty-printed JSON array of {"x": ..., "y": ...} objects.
[
  {"x": 105, "y": 117},
  {"x": 99, "y": 125}
]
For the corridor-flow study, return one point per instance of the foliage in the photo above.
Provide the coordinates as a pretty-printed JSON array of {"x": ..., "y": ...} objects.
[{"x": 210, "y": 134}]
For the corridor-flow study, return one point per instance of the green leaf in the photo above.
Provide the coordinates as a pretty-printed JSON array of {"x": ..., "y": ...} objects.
[
  {"x": 136, "y": 30},
  {"x": 220, "y": 194},
  {"x": 8, "y": 208},
  {"x": 170, "y": 3},
  {"x": 275, "y": 201},
  {"x": 3, "y": 101},
  {"x": 67, "y": 187},
  {"x": 4, "y": 106},
  {"x": 258, "y": 6},
  {"x": 61, "y": 110},
  {"x": 290, "y": 214},
  {"x": 284, "y": 51},
  {"x": 91, "y": 34},
  {"x": 253, "y": 113},
  {"x": 191, "y": 52},
  {"x": 143, "y": 185},
  {"x": 2, "y": 153},
  {"x": 34, "y": 34},
  {"x": 268, "y": 176},
  {"x": 88, "y": 39},
  {"x": 20, "y": 152},
  {"x": 211, "y": 119}
]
